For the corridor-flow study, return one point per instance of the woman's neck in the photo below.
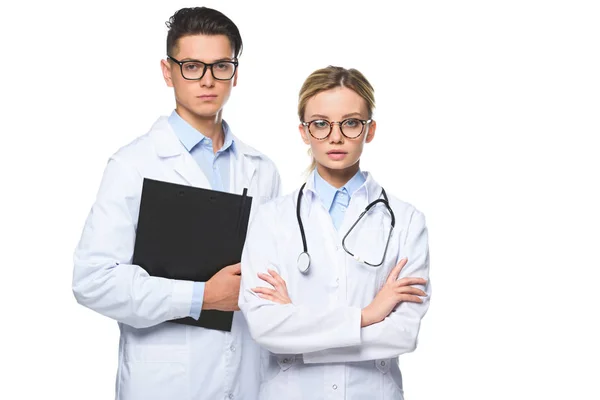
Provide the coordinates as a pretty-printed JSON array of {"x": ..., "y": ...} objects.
[{"x": 337, "y": 177}]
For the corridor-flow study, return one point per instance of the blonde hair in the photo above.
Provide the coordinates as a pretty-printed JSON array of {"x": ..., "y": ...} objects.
[{"x": 330, "y": 78}]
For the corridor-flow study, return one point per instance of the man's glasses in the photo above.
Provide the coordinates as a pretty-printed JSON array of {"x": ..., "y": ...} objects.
[{"x": 195, "y": 70}]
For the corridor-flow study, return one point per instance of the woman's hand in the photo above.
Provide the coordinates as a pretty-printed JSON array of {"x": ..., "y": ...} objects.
[
  {"x": 277, "y": 295},
  {"x": 393, "y": 292}
]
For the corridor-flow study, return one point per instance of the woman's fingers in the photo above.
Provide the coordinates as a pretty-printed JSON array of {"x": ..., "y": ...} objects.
[
  {"x": 277, "y": 277},
  {"x": 269, "y": 294},
  {"x": 395, "y": 273},
  {"x": 410, "y": 282},
  {"x": 265, "y": 290},
  {"x": 410, "y": 290},
  {"x": 269, "y": 279},
  {"x": 409, "y": 298}
]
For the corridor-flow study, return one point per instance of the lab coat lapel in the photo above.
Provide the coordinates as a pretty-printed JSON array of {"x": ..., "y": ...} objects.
[
  {"x": 189, "y": 170},
  {"x": 170, "y": 150},
  {"x": 245, "y": 168}
]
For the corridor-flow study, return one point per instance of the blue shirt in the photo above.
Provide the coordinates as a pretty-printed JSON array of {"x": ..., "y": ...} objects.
[
  {"x": 214, "y": 165},
  {"x": 336, "y": 200}
]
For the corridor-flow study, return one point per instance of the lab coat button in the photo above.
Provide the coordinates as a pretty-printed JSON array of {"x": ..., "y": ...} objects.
[
  {"x": 383, "y": 363},
  {"x": 334, "y": 387},
  {"x": 232, "y": 348},
  {"x": 230, "y": 395},
  {"x": 286, "y": 360}
]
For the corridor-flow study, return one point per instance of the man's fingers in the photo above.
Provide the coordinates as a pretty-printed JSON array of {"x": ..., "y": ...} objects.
[
  {"x": 234, "y": 269},
  {"x": 393, "y": 276}
]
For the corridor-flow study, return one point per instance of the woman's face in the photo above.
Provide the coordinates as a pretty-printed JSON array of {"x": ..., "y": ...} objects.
[{"x": 337, "y": 152}]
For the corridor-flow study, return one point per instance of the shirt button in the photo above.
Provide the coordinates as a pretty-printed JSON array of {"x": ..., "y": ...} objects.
[
  {"x": 230, "y": 395},
  {"x": 334, "y": 387},
  {"x": 286, "y": 360},
  {"x": 383, "y": 363},
  {"x": 232, "y": 348}
]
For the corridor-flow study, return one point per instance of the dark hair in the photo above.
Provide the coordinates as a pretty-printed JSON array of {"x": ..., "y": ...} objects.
[{"x": 202, "y": 21}]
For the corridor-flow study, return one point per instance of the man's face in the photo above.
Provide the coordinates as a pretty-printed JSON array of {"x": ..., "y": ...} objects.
[{"x": 202, "y": 98}]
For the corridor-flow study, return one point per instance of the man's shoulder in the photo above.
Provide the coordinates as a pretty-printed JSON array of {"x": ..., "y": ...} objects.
[{"x": 142, "y": 147}]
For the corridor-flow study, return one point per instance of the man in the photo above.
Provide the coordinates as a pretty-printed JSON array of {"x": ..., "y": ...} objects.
[{"x": 193, "y": 146}]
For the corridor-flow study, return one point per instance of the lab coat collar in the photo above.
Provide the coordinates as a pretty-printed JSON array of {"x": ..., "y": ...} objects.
[
  {"x": 168, "y": 146},
  {"x": 370, "y": 189}
]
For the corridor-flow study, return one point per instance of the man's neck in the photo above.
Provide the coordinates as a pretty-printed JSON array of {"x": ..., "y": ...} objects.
[{"x": 211, "y": 127}]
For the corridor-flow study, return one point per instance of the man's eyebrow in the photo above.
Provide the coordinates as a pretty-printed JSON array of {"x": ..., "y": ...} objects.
[{"x": 188, "y": 59}]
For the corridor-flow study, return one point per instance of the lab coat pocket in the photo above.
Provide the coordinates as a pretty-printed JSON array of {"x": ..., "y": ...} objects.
[
  {"x": 391, "y": 379},
  {"x": 279, "y": 368},
  {"x": 269, "y": 368},
  {"x": 155, "y": 372}
]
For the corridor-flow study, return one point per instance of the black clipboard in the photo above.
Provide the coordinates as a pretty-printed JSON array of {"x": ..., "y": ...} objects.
[{"x": 190, "y": 233}]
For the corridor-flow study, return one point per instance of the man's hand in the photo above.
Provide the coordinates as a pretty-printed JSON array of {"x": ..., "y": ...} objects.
[
  {"x": 393, "y": 292},
  {"x": 277, "y": 295},
  {"x": 221, "y": 292}
]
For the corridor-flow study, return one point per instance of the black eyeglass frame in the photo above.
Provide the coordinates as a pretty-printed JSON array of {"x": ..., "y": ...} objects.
[{"x": 206, "y": 66}]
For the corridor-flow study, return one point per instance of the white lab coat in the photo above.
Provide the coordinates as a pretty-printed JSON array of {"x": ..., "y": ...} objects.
[
  {"x": 163, "y": 360},
  {"x": 316, "y": 347}
]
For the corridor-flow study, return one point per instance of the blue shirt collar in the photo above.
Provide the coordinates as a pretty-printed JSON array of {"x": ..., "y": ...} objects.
[
  {"x": 190, "y": 137},
  {"x": 327, "y": 192}
]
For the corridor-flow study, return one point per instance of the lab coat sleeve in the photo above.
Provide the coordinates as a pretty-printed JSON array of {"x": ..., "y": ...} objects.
[
  {"x": 104, "y": 279},
  {"x": 287, "y": 328},
  {"x": 396, "y": 334}
]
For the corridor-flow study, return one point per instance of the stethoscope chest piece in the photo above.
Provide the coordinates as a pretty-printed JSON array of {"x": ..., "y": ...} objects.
[{"x": 303, "y": 262}]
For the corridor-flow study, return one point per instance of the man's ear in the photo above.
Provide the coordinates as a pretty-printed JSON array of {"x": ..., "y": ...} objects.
[{"x": 166, "y": 70}]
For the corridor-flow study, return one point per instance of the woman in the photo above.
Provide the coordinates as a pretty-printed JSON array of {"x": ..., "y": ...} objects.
[{"x": 334, "y": 298}]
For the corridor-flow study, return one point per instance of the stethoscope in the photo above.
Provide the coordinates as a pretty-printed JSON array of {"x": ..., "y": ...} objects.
[{"x": 304, "y": 257}]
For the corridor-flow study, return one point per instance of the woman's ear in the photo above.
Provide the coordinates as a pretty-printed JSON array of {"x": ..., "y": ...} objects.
[
  {"x": 303, "y": 133},
  {"x": 371, "y": 131}
]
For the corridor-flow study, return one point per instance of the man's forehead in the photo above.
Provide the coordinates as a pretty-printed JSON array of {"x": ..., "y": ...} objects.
[{"x": 204, "y": 47}]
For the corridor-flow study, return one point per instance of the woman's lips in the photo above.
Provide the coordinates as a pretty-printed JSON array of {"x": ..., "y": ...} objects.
[{"x": 336, "y": 155}]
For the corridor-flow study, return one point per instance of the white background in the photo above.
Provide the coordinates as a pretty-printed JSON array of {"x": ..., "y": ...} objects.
[{"x": 488, "y": 120}]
